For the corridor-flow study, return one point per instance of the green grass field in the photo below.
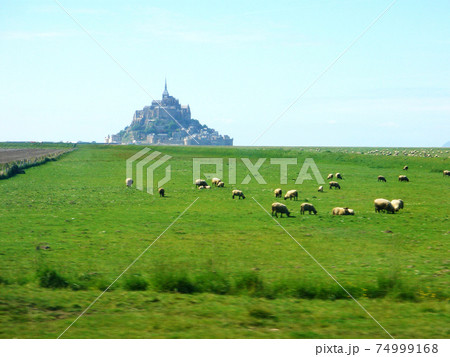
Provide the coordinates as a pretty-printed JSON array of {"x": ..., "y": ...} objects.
[{"x": 225, "y": 269}]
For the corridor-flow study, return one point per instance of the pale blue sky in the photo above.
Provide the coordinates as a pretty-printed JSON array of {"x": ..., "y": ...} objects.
[{"x": 238, "y": 65}]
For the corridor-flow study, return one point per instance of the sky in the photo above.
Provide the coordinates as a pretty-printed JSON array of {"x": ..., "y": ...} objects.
[{"x": 238, "y": 64}]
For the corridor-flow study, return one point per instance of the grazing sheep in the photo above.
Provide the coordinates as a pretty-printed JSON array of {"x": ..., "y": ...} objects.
[
  {"x": 207, "y": 187},
  {"x": 238, "y": 193},
  {"x": 350, "y": 212},
  {"x": 201, "y": 187},
  {"x": 161, "y": 192},
  {"x": 320, "y": 189},
  {"x": 280, "y": 208},
  {"x": 338, "y": 176},
  {"x": 397, "y": 204},
  {"x": 330, "y": 176},
  {"x": 292, "y": 194},
  {"x": 382, "y": 205},
  {"x": 215, "y": 181},
  {"x": 200, "y": 182},
  {"x": 278, "y": 192},
  {"x": 381, "y": 178},
  {"x": 342, "y": 211},
  {"x": 334, "y": 184},
  {"x": 402, "y": 178},
  {"x": 129, "y": 182},
  {"x": 221, "y": 184},
  {"x": 446, "y": 173},
  {"x": 307, "y": 207},
  {"x": 405, "y": 167}
]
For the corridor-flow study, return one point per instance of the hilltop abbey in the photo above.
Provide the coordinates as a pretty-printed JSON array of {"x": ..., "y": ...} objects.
[{"x": 166, "y": 122}]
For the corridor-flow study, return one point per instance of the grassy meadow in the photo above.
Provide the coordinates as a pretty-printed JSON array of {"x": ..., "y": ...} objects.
[{"x": 225, "y": 269}]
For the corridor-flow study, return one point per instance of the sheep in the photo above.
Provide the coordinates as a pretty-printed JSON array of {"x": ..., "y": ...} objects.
[
  {"x": 338, "y": 176},
  {"x": 215, "y": 181},
  {"x": 446, "y": 173},
  {"x": 334, "y": 184},
  {"x": 280, "y": 208},
  {"x": 278, "y": 192},
  {"x": 238, "y": 193},
  {"x": 161, "y": 192},
  {"x": 402, "y": 178},
  {"x": 221, "y": 184},
  {"x": 397, "y": 204},
  {"x": 381, "y": 178},
  {"x": 201, "y": 187},
  {"x": 342, "y": 211},
  {"x": 307, "y": 207},
  {"x": 320, "y": 189},
  {"x": 200, "y": 182},
  {"x": 129, "y": 182},
  {"x": 330, "y": 176},
  {"x": 382, "y": 205},
  {"x": 405, "y": 167},
  {"x": 292, "y": 194}
]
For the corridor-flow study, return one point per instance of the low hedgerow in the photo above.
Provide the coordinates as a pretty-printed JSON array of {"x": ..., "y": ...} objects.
[
  {"x": 178, "y": 282},
  {"x": 212, "y": 282},
  {"x": 247, "y": 283},
  {"x": 250, "y": 283}
]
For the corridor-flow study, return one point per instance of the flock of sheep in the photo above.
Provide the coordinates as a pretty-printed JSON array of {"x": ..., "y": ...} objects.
[
  {"x": 381, "y": 204},
  {"x": 280, "y": 208}
]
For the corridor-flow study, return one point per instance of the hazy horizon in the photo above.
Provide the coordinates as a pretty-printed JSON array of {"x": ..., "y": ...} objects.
[{"x": 238, "y": 66}]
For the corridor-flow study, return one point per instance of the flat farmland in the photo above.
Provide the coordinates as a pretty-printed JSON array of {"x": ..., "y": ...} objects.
[
  {"x": 224, "y": 268},
  {"x": 11, "y": 155}
]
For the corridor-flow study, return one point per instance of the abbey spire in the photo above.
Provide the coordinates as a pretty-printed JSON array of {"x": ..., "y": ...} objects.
[{"x": 165, "y": 93}]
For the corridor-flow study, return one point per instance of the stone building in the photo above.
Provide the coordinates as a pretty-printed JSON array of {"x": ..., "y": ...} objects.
[
  {"x": 168, "y": 108},
  {"x": 167, "y": 122}
]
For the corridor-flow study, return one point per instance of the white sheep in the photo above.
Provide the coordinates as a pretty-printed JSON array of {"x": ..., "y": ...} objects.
[
  {"x": 200, "y": 182},
  {"x": 129, "y": 182},
  {"x": 397, "y": 204},
  {"x": 307, "y": 207},
  {"x": 291, "y": 194},
  {"x": 383, "y": 205},
  {"x": 342, "y": 211},
  {"x": 238, "y": 193},
  {"x": 280, "y": 208}
]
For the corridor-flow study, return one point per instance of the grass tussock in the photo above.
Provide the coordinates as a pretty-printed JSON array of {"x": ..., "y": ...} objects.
[
  {"x": 49, "y": 278},
  {"x": 4, "y": 281},
  {"x": 135, "y": 283}
]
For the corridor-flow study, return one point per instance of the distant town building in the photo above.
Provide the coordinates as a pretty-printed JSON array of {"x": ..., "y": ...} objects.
[
  {"x": 112, "y": 139},
  {"x": 166, "y": 122}
]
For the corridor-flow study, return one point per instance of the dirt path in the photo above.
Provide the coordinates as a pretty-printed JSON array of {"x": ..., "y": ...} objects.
[{"x": 9, "y": 155}]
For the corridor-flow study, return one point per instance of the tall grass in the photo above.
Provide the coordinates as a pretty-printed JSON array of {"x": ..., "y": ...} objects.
[{"x": 246, "y": 283}]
